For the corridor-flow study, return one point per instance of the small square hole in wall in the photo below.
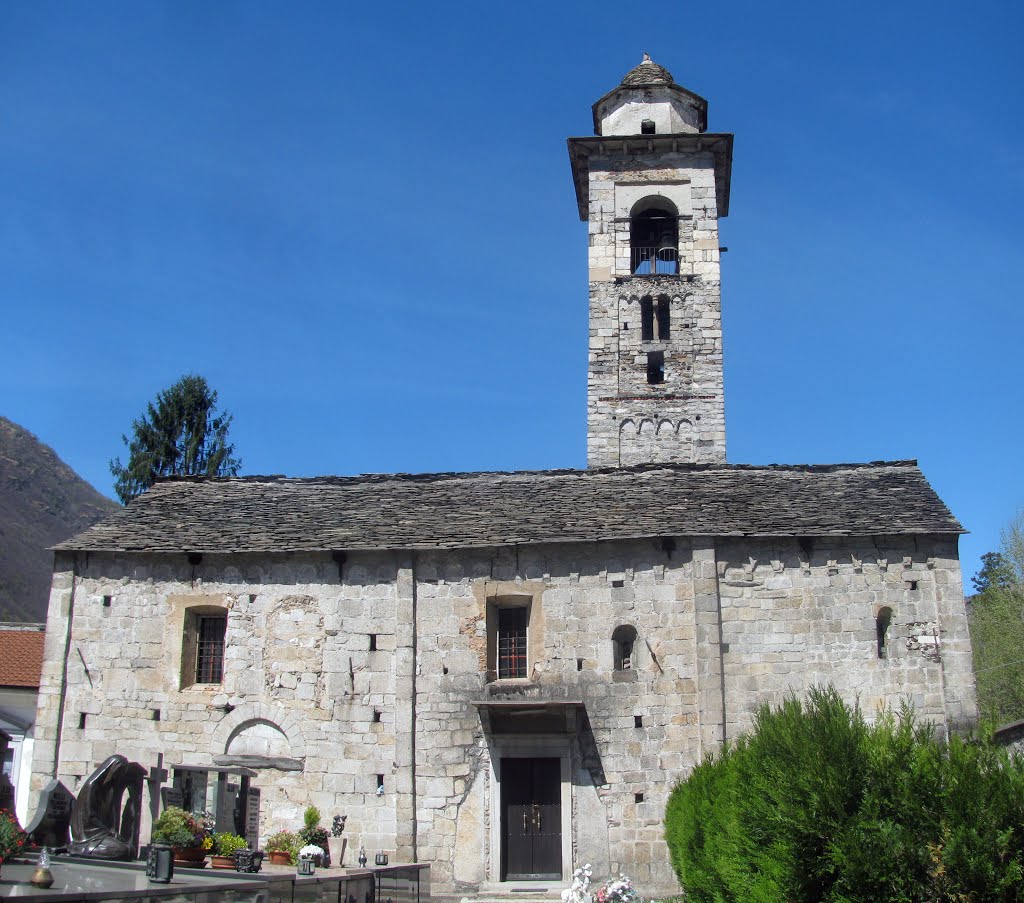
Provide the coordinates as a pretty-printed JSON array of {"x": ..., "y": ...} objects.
[
  {"x": 376, "y": 716},
  {"x": 107, "y": 600},
  {"x": 579, "y": 664},
  {"x": 154, "y": 714},
  {"x": 638, "y": 721},
  {"x": 912, "y": 585},
  {"x": 638, "y": 797},
  {"x": 380, "y": 782},
  {"x": 373, "y": 642},
  {"x": 444, "y": 669},
  {"x": 81, "y": 720},
  {"x": 618, "y": 584}
]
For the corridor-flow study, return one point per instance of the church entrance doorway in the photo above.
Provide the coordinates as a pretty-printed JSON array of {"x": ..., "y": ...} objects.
[{"x": 531, "y": 815}]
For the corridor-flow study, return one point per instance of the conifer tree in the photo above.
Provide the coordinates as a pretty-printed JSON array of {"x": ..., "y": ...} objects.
[{"x": 181, "y": 433}]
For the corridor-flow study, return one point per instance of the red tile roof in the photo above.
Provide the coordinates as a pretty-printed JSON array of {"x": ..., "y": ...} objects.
[{"x": 21, "y": 657}]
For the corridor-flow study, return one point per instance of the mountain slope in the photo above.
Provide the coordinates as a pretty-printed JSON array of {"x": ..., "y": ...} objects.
[{"x": 42, "y": 502}]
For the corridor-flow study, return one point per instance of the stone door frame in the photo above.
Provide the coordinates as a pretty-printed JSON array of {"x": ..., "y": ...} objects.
[{"x": 528, "y": 747}]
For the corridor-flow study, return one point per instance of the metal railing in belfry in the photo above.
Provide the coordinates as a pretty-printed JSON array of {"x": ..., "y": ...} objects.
[{"x": 646, "y": 261}]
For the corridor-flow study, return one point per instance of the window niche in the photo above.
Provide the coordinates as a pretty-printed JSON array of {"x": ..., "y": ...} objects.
[
  {"x": 202, "y": 645},
  {"x": 655, "y": 368},
  {"x": 624, "y": 652},
  {"x": 882, "y": 624},
  {"x": 511, "y": 637}
]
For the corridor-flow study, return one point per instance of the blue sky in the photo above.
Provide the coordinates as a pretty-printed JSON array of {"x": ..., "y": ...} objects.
[{"x": 358, "y": 222}]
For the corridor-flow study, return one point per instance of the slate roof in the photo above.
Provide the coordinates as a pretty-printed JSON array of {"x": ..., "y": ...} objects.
[
  {"x": 647, "y": 73},
  {"x": 462, "y": 510},
  {"x": 21, "y": 657}
]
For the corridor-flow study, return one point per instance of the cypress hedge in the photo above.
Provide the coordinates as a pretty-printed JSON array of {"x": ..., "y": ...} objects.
[{"x": 818, "y": 805}]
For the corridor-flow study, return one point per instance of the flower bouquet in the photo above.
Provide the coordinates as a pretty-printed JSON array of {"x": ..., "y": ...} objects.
[
  {"x": 617, "y": 890},
  {"x": 12, "y": 838}
]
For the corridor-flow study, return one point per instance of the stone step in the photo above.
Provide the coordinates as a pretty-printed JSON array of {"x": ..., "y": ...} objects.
[{"x": 541, "y": 893}]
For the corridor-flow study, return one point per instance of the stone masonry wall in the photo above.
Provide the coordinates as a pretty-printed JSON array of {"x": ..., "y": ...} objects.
[
  {"x": 790, "y": 614},
  {"x": 296, "y": 656},
  {"x": 628, "y": 419}
]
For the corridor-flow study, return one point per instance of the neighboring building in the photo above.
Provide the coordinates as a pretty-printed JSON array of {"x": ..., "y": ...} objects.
[
  {"x": 504, "y": 674},
  {"x": 21, "y": 663}
]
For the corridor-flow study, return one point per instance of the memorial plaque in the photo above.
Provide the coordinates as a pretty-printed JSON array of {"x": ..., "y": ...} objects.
[
  {"x": 226, "y": 797},
  {"x": 171, "y": 796},
  {"x": 51, "y": 825},
  {"x": 252, "y": 817}
]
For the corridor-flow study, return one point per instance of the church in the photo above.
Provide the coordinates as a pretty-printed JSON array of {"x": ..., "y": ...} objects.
[{"x": 504, "y": 674}]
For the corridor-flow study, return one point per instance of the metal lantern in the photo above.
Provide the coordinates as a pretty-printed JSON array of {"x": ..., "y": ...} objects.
[{"x": 160, "y": 863}]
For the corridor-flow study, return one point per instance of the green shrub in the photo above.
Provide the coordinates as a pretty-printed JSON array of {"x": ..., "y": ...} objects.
[
  {"x": 311, "y": 818},
  {"x": 284, "y": 842},
  {"x": 817, "y": 805},
  {"x": 227, "y": 844}
]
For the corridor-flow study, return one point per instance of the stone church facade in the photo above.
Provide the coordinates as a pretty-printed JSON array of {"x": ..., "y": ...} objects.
[{"x": 504, "y": 674}]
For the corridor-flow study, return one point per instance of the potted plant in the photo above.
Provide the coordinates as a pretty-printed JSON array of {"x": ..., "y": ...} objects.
[
  {"x": 188, "y": 834},
  {"x": 12, "y": 838},
  {"x": 225, "y": 845},
  {"x": 312, "y": 834},
  {"x": 282, "y": 847},
  {"x": 336, "y": 843}
]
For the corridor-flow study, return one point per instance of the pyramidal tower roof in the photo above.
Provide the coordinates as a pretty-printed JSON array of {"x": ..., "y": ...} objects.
[
  {"x": 648, "y": 92},
  {"x": 647, "y": 73}
]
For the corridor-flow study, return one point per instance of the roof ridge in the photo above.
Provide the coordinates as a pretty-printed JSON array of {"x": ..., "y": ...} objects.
[{"x": 431, "y": 476}]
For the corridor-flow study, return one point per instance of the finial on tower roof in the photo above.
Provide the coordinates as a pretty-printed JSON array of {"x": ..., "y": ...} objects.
[{"x": 647, "y": 58}]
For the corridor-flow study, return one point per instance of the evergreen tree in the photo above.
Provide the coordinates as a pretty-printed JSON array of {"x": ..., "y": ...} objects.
[
  {"x": 995, "y": 572},
  {"x": 181, "y": 433}
]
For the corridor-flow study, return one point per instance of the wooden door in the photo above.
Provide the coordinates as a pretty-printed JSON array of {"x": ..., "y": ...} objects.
[{"x": 531, "y": 805}]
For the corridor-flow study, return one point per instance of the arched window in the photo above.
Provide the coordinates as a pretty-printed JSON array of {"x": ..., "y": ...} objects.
[
  {"x": 646, "y": 319},
  {"x": 882, "y": 623},
  {"x": 624, "y": 647},
  {"x": 654, "y": 237},
  {"x": 664, "y": 327}
]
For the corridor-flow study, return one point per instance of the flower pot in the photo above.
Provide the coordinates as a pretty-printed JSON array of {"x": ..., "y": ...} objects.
[
  {"x": 222, "y": 862},
  {"x": 337, "y": 845},
  {"x": 190, "y": 857},
  {"x": 280, "y": 857}
]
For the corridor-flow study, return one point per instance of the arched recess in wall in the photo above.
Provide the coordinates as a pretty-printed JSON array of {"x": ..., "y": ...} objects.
[
  {"x": 883, "y": 622},
  {"x": 624, "y": 648},
  {"x": 260, "y": 736}
]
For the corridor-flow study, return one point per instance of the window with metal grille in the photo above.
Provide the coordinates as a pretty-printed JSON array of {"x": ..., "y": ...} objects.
[
  {"x": 512, "y": 642},
  {"x": 210, "y": 649}
]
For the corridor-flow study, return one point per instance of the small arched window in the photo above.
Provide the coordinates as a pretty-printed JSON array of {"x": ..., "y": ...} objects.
[
  {"x": 882, "y": 623},
  {"x": 664, "y": 327},
  {"x": 646, "y": 319},
  {"x": 654, "y": 237},
  {"x": 624, "y": 647}
]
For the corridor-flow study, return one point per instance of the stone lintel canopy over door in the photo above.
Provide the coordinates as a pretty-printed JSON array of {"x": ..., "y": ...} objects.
[{"x": 531, "y": 811}]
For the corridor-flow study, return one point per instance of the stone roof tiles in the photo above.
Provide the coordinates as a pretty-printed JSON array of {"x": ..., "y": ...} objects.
[
  {"x": 647, "y": 73},
  {"x": 462, "y": 510}
]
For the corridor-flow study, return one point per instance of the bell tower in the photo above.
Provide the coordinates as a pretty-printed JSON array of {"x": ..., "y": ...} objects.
[{"x": 652, "y": 185}]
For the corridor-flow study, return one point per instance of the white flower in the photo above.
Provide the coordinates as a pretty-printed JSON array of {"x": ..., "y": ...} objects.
[{"x": 309, "y": 851}]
